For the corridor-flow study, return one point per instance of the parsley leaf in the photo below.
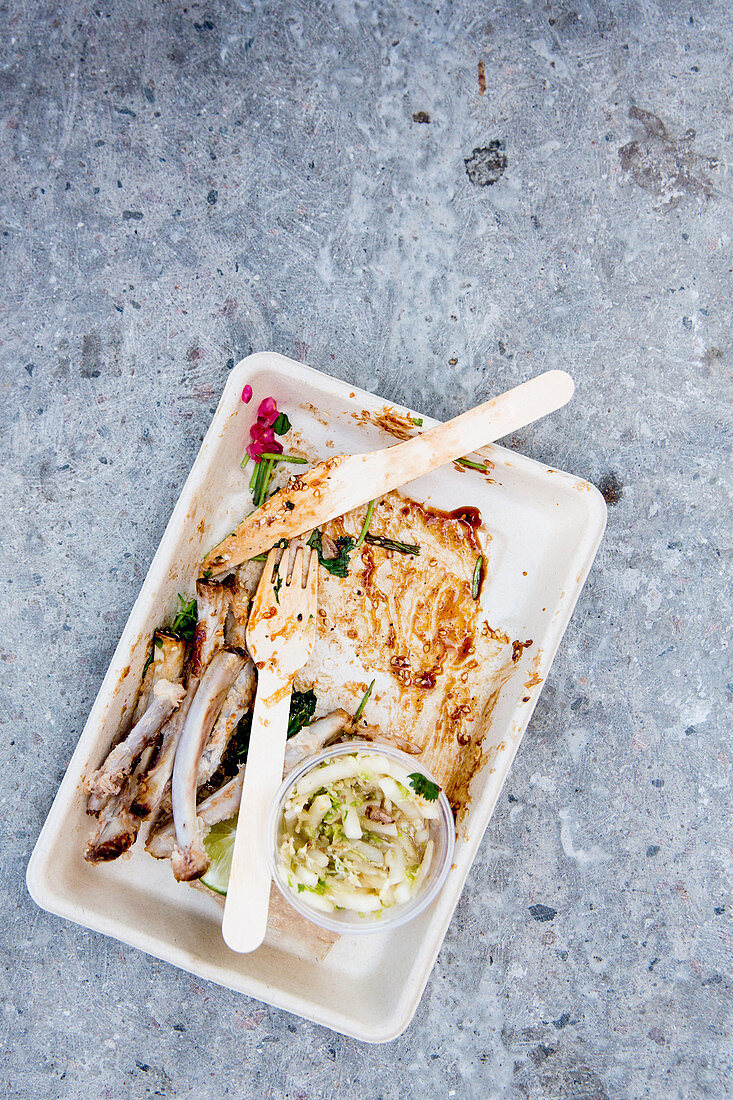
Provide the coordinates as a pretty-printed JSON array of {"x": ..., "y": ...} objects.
[
  {"x": 338, "y": 566},
  {"x": 184, "y": 624},
  {"x": 423, "y": 786},
  {"x": 302, "y": 709}
]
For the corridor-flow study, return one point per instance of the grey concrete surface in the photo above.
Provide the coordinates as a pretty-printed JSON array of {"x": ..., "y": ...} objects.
[{"x": 434, "y": 200}]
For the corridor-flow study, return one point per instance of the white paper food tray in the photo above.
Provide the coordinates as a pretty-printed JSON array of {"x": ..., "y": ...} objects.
[{"x": 545, "y": 527}]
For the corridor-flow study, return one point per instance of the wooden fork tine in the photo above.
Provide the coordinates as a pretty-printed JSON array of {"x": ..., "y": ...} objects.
[
  {"x": 312, "y": 582},
  {"x": 269, "y": 570},
  {"x": 296, "y": 577}
]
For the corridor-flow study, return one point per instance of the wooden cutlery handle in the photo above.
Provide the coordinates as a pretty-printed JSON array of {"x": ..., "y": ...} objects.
[
  {"x": 248, "y": 897},
  {"x": 473, "y": 429}
]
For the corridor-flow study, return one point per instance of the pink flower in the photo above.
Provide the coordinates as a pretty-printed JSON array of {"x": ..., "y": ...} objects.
[
  {"x": 267, "y": 411},
  {"x": 262, "y": 434},
  {"x": 260, "y": 431},
  {"x": 247, "y": 394}
]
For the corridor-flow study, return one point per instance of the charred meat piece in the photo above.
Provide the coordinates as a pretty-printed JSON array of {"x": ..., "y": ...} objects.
[
  {"x": 118, "y": 825},
  {"x": 213, "y": 600},
  {"x": 237, "y": 703},
  {"x": 108, "y": 779},
  {"x": 156, "y": 781},
  {"x": 189, "y": 858},
  {"x": 160, "y": 688},
  {"x": 311, "y": 739},
  {"x": 219, "y": 806},
  {"x": 169, "y": 656},
  {"x": 166, "y": 662}
]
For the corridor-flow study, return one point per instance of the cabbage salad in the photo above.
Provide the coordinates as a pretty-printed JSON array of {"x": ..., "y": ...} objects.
[{"x": 355, "y": 834}]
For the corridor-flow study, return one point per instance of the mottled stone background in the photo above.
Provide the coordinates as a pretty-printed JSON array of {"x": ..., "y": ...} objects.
[{"x": 434, "y": 200}]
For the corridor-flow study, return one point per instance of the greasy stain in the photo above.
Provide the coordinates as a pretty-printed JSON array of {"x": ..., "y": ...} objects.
[
  {"x": 665, "y": 166},
  {"x": 487, "y": 164},
  {"x": 611, "y": 488},
  {"x": 390, "y": 420},
  {"x": 91, "y": 355}
]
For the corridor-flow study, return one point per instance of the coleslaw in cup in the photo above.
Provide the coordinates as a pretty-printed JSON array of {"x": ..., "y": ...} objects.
[{"x": 361, "y": 838}]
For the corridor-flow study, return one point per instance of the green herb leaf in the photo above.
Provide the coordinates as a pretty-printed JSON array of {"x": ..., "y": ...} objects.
[
  {"x": 289, "y": 505},
  {"x": 302, "y": 709},
  {"x": 390, "y": 544},
  {"x": 338, "y": 566},
  {"x": 157, "y": 643},
  {"x": 477, "y": 575},
  {"x": 363, "y": 703},
  {"x": 206, "y": 574},
  {"x": 184, "y": 624},
  {"x": 281, "y": 425},
  {"x": 277, "y": 585},
  {"x": 417, "y": 421},
  {"x": 285, "y": 458},
  {"x": 262, "y": 481},
  {"x": 424, "y": 787},
  {"x": 472, "y": 465},
  {"x": 365, "y": 526}
]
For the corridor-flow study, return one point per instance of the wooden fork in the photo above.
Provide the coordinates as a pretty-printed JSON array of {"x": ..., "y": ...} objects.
[{"x": 280, "y": 634}]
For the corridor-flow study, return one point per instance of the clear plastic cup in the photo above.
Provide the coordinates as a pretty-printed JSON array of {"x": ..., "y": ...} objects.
[{"x": 344, "y": 921}]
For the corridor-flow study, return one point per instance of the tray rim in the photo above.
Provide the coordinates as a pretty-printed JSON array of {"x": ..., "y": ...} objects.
[{"x": 398, "y": 1019}]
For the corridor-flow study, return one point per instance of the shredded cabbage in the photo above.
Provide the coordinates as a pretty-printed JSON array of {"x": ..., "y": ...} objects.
[{"x": 354, "y": 835}]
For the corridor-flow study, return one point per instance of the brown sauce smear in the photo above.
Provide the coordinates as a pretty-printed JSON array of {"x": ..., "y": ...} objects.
[
  {"x": 389, "y": 420},
  {"x": 414, "y": 618}
]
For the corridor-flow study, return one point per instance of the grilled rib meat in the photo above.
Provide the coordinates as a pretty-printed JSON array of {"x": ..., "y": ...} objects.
[
  {"x": 219, "y": 806},
  {"x": 311, "y": 739},
  {"x": 108, "y": 779},
  {"x": 118, "y": 826},
  {"x": 213, "y": 602},
  {"x": 189, "y": 858},
  {"x": 237, "y": 703}
]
